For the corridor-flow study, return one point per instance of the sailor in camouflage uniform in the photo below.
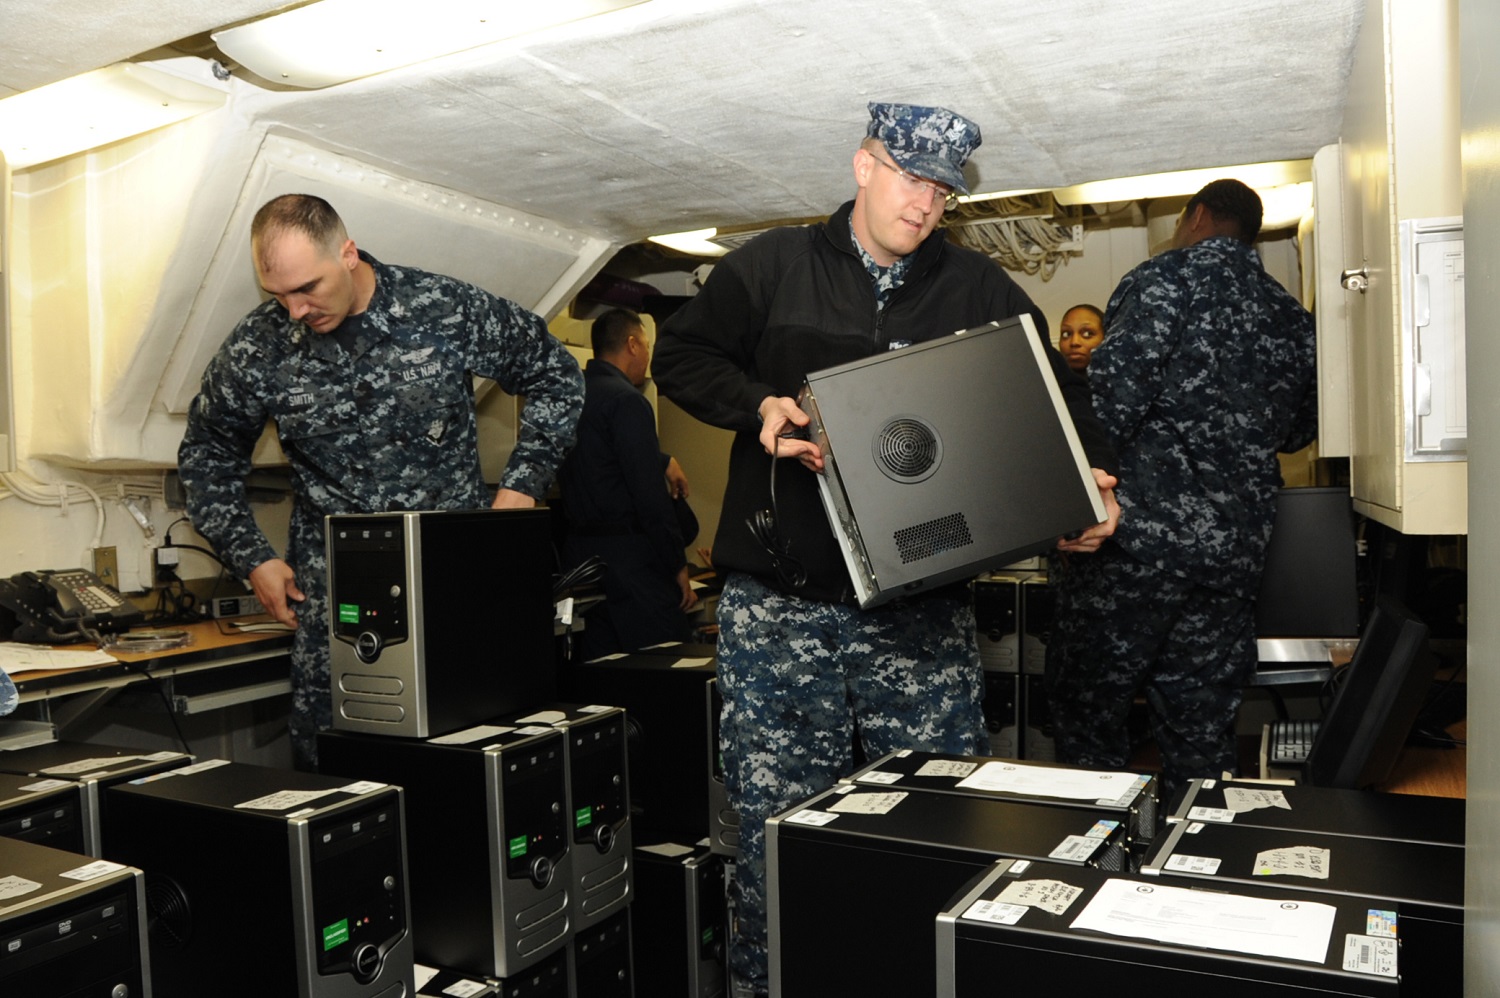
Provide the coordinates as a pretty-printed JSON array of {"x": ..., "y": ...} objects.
[
  {"x": 367, "y": 370},
  {"x": 1208, "y": 371},
  {"x": 802, "y": 670},
  {"x": 9, "y": 698}
]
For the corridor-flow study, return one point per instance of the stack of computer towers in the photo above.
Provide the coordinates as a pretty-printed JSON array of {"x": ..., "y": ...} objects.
[
  {"x": 997, "y": 619},
  {"x": 70, "y": 926},
  {"x": 1246, "y": 842},
  {"x": 1038, "y": 609},
  {"x": 305, "y": 875},
  {"x": 865, "y": 870},
  {"x": 668, "y": 698},
  {"x": 1042, "y": 927},
  {"x": 600, "y": 846},
  {"x": 94, "y": 768}
]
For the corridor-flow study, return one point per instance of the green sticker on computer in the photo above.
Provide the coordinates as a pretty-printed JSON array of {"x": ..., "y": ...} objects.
[
  {"x": 348, "y": 613},
  {"x": 336, "y": 934},
  {"x": 518, "y": 846},
  {"x": 583, "y": 817}
]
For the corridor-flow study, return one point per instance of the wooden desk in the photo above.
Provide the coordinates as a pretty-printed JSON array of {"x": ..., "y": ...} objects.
[{"x": 216, "y": 668}]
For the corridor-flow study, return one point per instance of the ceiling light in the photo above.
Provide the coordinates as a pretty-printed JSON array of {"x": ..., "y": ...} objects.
[
  {"x": 694, "y": 243},
  {"x": 1184, "y": 182},
  {"x": 334, "y": 41},
  {"x": 96, "y": 108}
]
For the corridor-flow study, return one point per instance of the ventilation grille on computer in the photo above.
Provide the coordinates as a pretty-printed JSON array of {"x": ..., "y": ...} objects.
[
  {"x": 169, "y": 917},
  {"x": 907, "y": 449},
  {"x": 925, "y": 540}
]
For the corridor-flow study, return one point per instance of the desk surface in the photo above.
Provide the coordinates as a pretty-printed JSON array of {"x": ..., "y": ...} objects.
[{"x": 213, "y": 644}]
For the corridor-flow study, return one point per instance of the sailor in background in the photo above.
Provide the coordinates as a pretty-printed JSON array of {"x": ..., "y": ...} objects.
[
  {"x": 1208, "y": 371},
  {"x": 802, "y": 670},
  {"x": 367, "y": 369},
  {"x": 619, "y": 492}
]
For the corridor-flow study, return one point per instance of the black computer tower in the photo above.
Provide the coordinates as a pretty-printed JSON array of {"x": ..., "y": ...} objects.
[
  {"x": 94, "y": 768},
  {"x": 1038, "y": 610},
  {"x": 997, "y": 621},
  {"x": 1002, "y": 713},
  {"x": 723, "y": 819},
  {"x": 858, "y": 871},
  {"x": 1123, "y": 933},
  {"x": 599, "y": 959},
  {"x": 680, "y": 940},
  {"x": 489, "y": 832},
  {"x": 302, "y": 875},
  {"x": 919, "y": 487},
  {"x": 1426, "y": 881},
  {"x": 663, "y": 697},
  {"x": 44, "y": 811},
  {"x": 421, "y": 642},
  {"x": 1128, "y": 797},
  {"x": 70, "y": 926},
  {"x": 598, "y": 805},
  {"x": 1362, "y": 813}
]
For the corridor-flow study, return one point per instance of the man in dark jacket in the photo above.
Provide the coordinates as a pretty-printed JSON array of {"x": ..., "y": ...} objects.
[
  {"x": 1208, "y": 371},
  {"x": 801, "y": 669},
  {"x": 618, "y": 490}
]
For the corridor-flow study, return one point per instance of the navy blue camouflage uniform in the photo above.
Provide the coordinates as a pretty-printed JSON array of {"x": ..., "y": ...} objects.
[
  {"x": 803, "y": 671},
  {"x": 9, "y": 698},
  {"x": 1208, "y": 370},
  {"x": 377, "y": 415}
]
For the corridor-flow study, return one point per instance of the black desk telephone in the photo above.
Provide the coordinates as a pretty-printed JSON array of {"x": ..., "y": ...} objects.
[{"x": 66, "y": 605}]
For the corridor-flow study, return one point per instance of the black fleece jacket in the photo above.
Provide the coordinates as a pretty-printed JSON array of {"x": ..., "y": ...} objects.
[{"x": 796, "y": 300}]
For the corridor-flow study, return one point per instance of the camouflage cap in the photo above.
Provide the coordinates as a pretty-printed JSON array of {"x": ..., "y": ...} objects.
[{"x": 931, "y": 142}]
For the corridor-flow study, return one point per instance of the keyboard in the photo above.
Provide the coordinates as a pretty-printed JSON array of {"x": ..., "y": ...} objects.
[{"x": 1291, "y": 742}]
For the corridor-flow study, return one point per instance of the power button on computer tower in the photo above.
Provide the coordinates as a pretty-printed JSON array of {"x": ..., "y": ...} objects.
[{"x": 367, "y": 646}]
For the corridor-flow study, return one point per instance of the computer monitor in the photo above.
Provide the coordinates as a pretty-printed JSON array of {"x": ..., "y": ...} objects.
[
  {"x": 1308, "y": 588},
  {"x": 1379, "y": 695}
]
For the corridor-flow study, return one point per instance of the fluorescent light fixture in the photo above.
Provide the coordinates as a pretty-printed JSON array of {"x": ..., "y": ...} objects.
[
  {"x": 334, "y": 41},
  {"x": 1161, "y": 185},
  {"x": 695, "y": 243},
  {"x": 96, "y": 108}
]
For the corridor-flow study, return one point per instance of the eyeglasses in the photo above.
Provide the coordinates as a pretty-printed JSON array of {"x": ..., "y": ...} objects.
[{"x": 915, "y": 185}]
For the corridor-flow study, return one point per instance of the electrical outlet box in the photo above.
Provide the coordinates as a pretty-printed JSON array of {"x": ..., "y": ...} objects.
[
  {"x": 234, "y": 606},
  {"x": 107, "y": 566}
]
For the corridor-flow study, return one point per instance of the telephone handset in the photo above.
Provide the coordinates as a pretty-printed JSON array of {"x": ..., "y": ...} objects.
[{"x": 71, "y": 604}]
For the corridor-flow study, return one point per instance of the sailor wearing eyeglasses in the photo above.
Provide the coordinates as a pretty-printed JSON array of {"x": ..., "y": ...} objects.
[{"x": 803, "y": 671}]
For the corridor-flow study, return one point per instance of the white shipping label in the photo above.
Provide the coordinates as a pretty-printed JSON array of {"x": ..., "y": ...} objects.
[
  {"x": 90, "y": 765},
  {"x": 1077, "y": 848},
  {"x": 14, "y": 887},
  {"x": 161, "y": 756},
  {"x": 92, "y": 871},
  {"x": 1293, "y": 861},
  {"x": 41, "y": 785},
  {"x": 995, "y": 911},
  {"x": 199, "y": 767},
  {"x": 947, "y": 767},
  {"x": 1049, "y": 895},
  {"x": 532, "y": 729},
  {"x": 465, "y": 989},
  {"x": 474, "y": 734},
  {"x": 1210, "y": 814},
  {"x": 1243, "y": 799},
  {"x": 876, "y": 776},
  {"x": 362, "y": 787},
  {"x": 1370, "y": 955},
  {"x": 285, "y": 800},
  {"x": 1194, "y": 864},
  {"x": 594, "y": 708},
  {"x": 810, "y": 818},
  {"x": 869, "y": 803}
]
